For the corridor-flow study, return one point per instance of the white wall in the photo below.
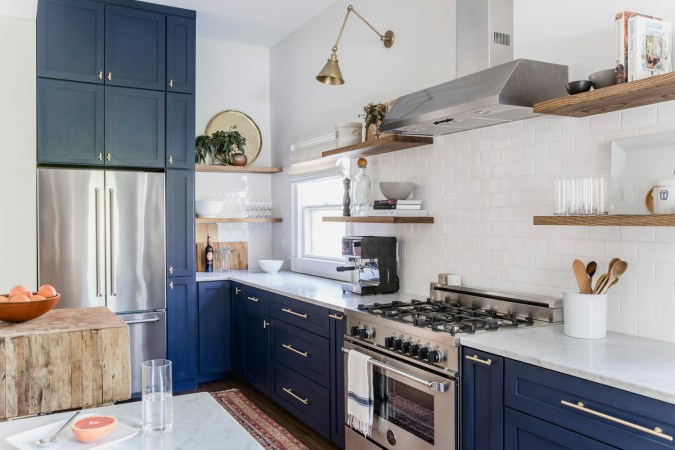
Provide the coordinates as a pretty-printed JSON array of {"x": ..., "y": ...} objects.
[
  {"x": 578, "y": 33},
  {"x": 18, "y": 231}
]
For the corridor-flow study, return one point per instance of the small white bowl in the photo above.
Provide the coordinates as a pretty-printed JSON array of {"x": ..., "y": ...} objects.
[
  {"x": 396, "y": 190},
  {"x": 270, "y": 265},
  {"x": 208, "y": 208}
]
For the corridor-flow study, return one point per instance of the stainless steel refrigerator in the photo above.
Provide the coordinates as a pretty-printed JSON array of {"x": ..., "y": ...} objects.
[{"x": 102, "y": 242}]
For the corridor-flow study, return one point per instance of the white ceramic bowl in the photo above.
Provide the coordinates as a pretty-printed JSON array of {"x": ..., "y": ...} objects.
[
  {"x": 270, "y": 265},
  {"x": 396, "y": 190},
  {"x": 208, "y": 208}
]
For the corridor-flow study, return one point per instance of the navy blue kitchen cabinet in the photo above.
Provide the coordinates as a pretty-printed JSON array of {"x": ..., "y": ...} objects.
[
  {"x": 181, "y": 318},
  {"x": 70, "y": 122},
  {"x": 134, "y": 127},
  {"x": 257, "y": 349},
  {"x": 135, "y": 48},
  {"x": 180, "y": 131},
  {"x": 180, "y": 223},
  {"x": 180, "y": 54},
  {"x": 215, "y": 330},
  {"x": 70, "y": 40},
  {"x": 237, "y": 296},
  {"x": 482, "y": 417},
  {"x": 338, "y": 328}
]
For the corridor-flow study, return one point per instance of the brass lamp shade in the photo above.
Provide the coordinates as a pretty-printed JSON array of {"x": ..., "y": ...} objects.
[{"x": 331, "y": 74}]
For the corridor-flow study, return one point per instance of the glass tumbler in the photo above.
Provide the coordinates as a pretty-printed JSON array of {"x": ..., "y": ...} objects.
[{"x": 156, "y": 394}]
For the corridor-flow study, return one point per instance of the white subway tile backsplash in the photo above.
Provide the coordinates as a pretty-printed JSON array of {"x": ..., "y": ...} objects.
[
  {"x": 605, "y": 123},
  {"x": 644, "y": 116},
  {"x": 575, "y": 128},
  {"x": 548, "y": 133}
]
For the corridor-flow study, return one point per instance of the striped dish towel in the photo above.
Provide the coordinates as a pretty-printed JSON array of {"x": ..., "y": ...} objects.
[{"x": 359, "y": 393}]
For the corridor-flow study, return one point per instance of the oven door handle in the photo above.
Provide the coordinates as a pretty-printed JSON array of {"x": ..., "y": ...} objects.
[{"x": 433, "y": 385}]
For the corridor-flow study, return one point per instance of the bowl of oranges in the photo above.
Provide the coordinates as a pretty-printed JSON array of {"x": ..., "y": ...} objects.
[{"x": 20, "y": 304}]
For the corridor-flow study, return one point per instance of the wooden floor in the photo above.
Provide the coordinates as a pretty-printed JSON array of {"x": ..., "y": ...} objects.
[{"x": 304, "y": 433}]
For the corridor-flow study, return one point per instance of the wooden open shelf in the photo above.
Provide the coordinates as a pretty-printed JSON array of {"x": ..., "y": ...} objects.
[
  {"x": 660, "y": 88},
  {"x": 385, "y": 144},
  {"x": 380, "y": 219},
  {"x": 237, "y": 220},
  {"x": 237, "y": 169},
  {"x": 661, "y": 220}
]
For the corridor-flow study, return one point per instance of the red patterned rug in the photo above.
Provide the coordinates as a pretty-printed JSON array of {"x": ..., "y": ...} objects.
[{"x": 266, "y": 431}]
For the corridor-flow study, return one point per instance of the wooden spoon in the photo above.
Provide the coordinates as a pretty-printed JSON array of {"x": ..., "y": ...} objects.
[
  {"x": 618, "y": 269},
  {"x": 600, "y": 286},
  {"x": 582, "y": 277},
  {"x": 591, "y": 267}
]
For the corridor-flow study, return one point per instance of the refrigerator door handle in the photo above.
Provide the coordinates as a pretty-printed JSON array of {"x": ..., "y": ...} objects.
[
  {"x": 152, "y": 319},
  {"x": 113, "y": 280},
  {"x": 98, "y": 241}
]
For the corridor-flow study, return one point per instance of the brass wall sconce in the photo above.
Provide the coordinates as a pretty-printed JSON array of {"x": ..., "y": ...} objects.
[{"x": 331, "y": 74}]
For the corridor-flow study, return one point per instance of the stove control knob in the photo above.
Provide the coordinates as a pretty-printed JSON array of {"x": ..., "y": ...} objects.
[
  {"x": 354, "y": 330},
  {"x": 414, "y": 350},
  {"x": 365, "y": 333},
  {"x": 435, "y": 356},
  {"x": 389, "y": 342},
  {"x": 405, "y": 347},
  {"x": 423, "y": 352},
  {"x": 398, "y": 342},
  {"x": 370, "y": 332}
]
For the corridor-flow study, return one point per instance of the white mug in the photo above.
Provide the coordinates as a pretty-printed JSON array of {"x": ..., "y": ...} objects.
[{"x": 663, "y": 195}]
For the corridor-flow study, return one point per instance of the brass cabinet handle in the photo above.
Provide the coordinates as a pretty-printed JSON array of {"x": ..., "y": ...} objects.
[
  {"x": 170, "y": 159},
  {"x": 265, "y": 324},
  {"x": 475, "y": 358},
  {"x": 336, "y": 317},
  {"x": 107, "y": 156},
  {"x": 170, "y": 284},
  {"x": 253, "y": 299},
  {"x": 170, "y": 83},
  {"x": 290, "y": 392},
  {"x": 290, "y": 311},
  {"x": 100, "y": 74},
  {"x": 237, "y": 290},
  {"x": 100, "y": 156},
  {"x": 171, "y": 270},
  {"x": 109, "y": 76},
  {"x": 290, "y": 347},
  {"x": 658, "y": 432}
]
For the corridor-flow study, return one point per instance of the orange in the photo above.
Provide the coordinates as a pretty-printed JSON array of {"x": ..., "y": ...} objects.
[
  {"x": 18, "y": 289},
  {"x": 47, "y": 291},
  {"x": 19, "y": 298},
  {"x": 93, "y": 428}
]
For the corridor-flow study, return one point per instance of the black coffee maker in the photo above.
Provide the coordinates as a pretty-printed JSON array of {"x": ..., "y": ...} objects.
[{"x": 375, "y": 257}]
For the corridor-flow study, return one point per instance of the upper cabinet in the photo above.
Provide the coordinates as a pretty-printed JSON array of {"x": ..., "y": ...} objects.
[{"x": 180, "y": 54}]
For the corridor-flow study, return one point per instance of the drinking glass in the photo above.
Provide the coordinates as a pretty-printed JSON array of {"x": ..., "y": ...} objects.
[{"x": 157, "y": 395}]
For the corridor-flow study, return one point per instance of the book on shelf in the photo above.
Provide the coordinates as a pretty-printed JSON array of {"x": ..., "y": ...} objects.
[
  {"x": 621, "y": 26},
  {"x": 649, "y": 47},
  {"x": 418, "y": 207},
  {"x": 384, "y": 207},
  {"x": 400, "y": 212},
  {"x": 397, "y": 202}
]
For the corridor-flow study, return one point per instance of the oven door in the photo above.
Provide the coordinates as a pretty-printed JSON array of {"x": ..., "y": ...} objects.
[{"x": 414, "y": 409}]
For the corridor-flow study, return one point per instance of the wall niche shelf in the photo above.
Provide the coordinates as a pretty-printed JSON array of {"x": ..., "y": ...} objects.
[
  {"x": 661, "y": 220},
  {"x": 237, "y": 220},
  {"x": 385, "y": 144},
  {"x": 648, "y": 91},
  {"x": 237, "y": 169},
  {"x": 380, "y": 219}
]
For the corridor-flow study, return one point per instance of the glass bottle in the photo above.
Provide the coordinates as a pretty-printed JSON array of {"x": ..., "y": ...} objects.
[{"x": 362, "y": 201}]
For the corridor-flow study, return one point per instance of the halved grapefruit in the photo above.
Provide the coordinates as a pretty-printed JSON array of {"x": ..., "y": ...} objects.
[{"x": 93, "y": 428}]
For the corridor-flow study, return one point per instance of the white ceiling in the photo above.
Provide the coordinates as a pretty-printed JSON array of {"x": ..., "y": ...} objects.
[{"x": 254, "y": 22}]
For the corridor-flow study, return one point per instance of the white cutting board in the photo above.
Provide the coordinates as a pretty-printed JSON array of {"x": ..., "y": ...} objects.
[{"x": 66, "y": 441}]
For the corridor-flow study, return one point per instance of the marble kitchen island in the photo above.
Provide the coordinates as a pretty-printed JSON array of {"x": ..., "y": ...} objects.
[{"x": 200, "y": 423}]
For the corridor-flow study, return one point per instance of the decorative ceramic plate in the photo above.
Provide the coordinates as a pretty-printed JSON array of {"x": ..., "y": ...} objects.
[{"x": 225, "y": 120}]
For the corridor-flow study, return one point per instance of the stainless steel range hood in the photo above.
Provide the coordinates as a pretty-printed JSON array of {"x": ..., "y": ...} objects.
[{"x": 501, "y": 93}]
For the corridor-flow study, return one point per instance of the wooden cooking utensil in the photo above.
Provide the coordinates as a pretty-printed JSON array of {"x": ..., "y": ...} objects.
[
  {"x": 582, "y": 277},
  {"x": 591, "y": 267},
  {"x": 598, "y": 284},
  {"x": 617, "y": 270}
]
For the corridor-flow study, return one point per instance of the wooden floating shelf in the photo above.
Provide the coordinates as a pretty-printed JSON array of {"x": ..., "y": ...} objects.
[
  {"x": 661, "y": 220},
  {"x": 237, "y": 169},
  {"x": 237, "y": 220},
  {"x": 380, "y": 219},
  {"x": 648, "y": 91},
  {"x": 385, "y": 144}
]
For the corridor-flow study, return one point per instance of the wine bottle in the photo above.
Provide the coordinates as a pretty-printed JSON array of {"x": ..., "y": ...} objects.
[{"x": 208, "y": 254}]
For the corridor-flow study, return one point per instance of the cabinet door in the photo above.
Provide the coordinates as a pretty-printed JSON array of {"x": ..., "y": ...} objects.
[
  {"x": 135, "y": 46},
  {"x": 215, "y": 331},
  {"x": 70, "y": 122},
  {"x": 257, "y": 349},
  {"x": 181, "y": 315},
  {"x": 70, "y": 37},
  {"x": 237, "y": 295},
  {"x": 180, "y": 131},
  {"x": 338, "y": 328},
  {"x": 180, "y": 54},
  {"x": 524, "y": 432},
  {"x": 180, "y": 223},
  {"x": 482, "y": 400},
  {"x": 134, "y": 127}
]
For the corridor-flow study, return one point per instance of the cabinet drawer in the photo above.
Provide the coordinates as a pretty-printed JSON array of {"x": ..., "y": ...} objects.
[
  {"x": 304, "y": 315},
  {"x": 302, "y": 351},
  {"x": 303, "y": 398},
  {"x": 541, "y": 393},
  {"x": 256, "y": 299}
]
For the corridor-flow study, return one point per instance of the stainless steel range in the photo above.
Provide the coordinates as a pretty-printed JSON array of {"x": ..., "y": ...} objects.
[{"x": 414, "y": 346}]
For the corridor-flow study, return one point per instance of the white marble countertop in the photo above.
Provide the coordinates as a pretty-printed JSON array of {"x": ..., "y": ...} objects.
[
  {"x": 635, "y": 364},
  {"x": 199, "y": 423},
  {"x": 316, "y": 290}
]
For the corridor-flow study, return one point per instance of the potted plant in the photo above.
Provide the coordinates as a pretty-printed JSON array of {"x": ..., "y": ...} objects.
[
  {"x": 224, "y": 147},
  {"x": 373, "y": 115}
]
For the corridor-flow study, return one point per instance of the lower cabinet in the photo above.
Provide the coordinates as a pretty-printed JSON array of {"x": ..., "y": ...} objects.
[
  {"x": 338, "y": 329},
  {"x": 181, "y": 327},
  {"x": 237, "y": 296},
  {"x": 257, "y": 349},
  {"x": 215, "y": 333}
]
